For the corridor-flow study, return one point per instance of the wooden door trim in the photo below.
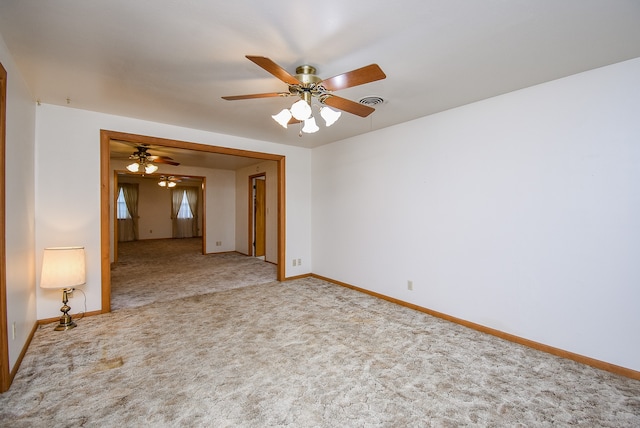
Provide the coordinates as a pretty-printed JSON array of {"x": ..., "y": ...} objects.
[
  {"x": 105, "y": 203},
  {"x": 5, "y": 373},
  {"x": 251, "y": 214},
  {"x": 203, "y": 201},
  {"x": 260, "y": 219},
  {"x": 115, "y": 216}
]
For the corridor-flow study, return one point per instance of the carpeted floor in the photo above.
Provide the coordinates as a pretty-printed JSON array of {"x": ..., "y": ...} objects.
[
  {"x": 303, "y": 353},
  {"x": 169, "y": 269}
]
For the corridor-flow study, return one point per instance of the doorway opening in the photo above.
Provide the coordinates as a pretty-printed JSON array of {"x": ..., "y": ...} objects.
[
  {"x": 151, "y": 198},
  {"x": 106, "y": 192},
  {"x": 258, "y": 215}
]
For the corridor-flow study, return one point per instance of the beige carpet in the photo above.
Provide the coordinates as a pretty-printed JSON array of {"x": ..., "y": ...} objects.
[
  {"x": 304, "y": 353},
  {"x": 168, "y": 269}
]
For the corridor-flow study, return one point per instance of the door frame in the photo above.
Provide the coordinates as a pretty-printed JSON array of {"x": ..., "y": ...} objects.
[
  {"x": 251, "y": 216},
  {"x": 105, "y": 201},
  {"x": 5, "y": 373}
]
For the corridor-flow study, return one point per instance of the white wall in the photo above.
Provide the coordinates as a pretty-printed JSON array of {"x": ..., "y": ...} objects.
[
  {"x": 154, "y": 208},
  {"x": 520, "y": 213},
  {"x": 20, "y": 209},
  {"x": 68, "y": 210},
  {"x": 221, "y": 210}
]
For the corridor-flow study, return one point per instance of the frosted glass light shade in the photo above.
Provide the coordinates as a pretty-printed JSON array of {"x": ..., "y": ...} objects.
[
  {"x": 63, "y": 267},
  {"x": 134, "y": 167},
  {"x": 150, "y": 168},
  {"x": 171, "y": 184},
  {"x": 301, "y": 110},
  {"x": 310, "y": 126},
  {"x": 162, "y": 183},
  {"x": 283, "y": 117},
  {"x": 329, "y": 115}
]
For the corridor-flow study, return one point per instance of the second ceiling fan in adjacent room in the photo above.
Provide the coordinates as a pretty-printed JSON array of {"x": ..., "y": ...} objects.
[{"x": 145, "y": 162}]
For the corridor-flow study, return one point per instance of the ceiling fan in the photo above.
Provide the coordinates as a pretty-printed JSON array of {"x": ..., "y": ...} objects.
[
  {"x": 142, "y": 158},
  {"x": 168, "y": 181},
  {"x": 307, "y": 85}
]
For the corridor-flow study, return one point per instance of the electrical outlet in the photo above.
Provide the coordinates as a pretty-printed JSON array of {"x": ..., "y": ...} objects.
[
  {"x": 409, "y": 285},
  {"x": 299, "y": 262}
]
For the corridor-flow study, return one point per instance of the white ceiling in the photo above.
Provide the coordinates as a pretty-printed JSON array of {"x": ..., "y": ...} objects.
[{"x": 170, "y": 61}]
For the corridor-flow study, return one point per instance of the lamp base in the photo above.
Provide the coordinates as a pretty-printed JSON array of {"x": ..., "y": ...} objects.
[{"x": 66, "y": 323}]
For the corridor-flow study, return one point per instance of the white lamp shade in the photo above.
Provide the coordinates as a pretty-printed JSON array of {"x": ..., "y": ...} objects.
[
  {"x": 171, "y": 184},
  {"x": 63, "y": 267},
  {"x": 310, "y": 126},
  {"x": 283, "y": 117},
  {"x": 301, "y": 110},
  {"x": 150, "y": 168},
  {"x": 133, "y": 167},
  {"x": 329, "y": 115},
  {"x": 162, "y": 183}
]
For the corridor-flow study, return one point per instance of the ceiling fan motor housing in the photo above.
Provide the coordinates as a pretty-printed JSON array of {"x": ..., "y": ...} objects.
[
  {"x": 308, "y": 86},
  {"x": 307, "y": 75}
]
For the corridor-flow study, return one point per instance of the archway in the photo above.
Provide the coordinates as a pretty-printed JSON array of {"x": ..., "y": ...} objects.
[{"x": 106, "y": 204}]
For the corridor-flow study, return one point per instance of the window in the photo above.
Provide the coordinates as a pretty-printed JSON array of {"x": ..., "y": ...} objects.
[
  {"x": 185, "y": 211},
  {"x": 123, "y": 212}
]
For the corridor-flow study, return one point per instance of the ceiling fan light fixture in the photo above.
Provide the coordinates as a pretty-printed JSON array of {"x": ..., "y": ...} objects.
[
  {"x": 150, "y": 168},
  {"x": 301, "y": 110},
  {"x": 283, "y": 117},
  {"x": 134, "y": 167},
  {"x": 308, "y": 86},
  {"x": 168, "y": 182},
  {"x": 329, "y": 115},
  {"x": 310, "y": 126}
]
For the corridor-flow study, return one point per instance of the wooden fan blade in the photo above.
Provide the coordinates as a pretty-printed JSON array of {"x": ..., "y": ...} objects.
[
  {"x": 166, "y": 161},
  {"x": 251, "y": 96},
  {"x": 154, "y": 158},
  {"x": 274, "y": 69},
  {"x": 349, "y": 106},
  {"x": 363, "y": 75}
]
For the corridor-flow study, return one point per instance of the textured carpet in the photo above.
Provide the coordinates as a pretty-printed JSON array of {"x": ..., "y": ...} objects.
[
  {"x": 168, "y": 269},
  {"x": 304, "y": 353}
]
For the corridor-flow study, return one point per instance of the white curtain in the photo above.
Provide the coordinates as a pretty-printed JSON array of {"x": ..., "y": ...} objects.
[
  {"x": 193, "y": 200},
  {"x": 128, "y": 227}
]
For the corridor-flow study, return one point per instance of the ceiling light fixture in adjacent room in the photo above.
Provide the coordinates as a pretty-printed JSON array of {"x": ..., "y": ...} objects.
[
  {"x": 148, "y": 167},
  {"x": 144, "y": 161},
  {"x": 168, "y": 182}
]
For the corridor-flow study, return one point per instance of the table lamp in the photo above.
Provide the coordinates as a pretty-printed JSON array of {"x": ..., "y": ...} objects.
[{"x": 63, "y": 268}]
